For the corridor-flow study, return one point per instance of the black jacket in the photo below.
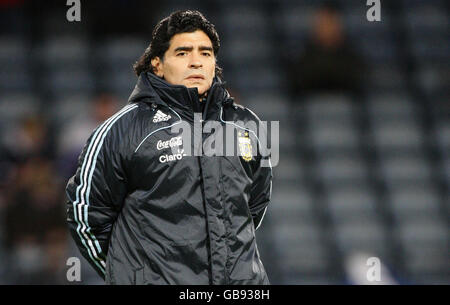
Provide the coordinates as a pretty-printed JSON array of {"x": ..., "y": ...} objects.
[{"x": 142, "y": 211}]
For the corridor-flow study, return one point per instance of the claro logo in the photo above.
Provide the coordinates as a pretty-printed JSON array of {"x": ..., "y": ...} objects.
[{"x": 173, "y": 157}]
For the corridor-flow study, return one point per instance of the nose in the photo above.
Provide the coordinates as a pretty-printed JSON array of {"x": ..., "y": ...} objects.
[{"x": 195, "y": 61}]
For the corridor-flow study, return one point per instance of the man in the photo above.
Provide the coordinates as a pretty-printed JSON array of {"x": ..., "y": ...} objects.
[
  {"x": 142, "y": 214},
  {"x": 328, "y": 62}
]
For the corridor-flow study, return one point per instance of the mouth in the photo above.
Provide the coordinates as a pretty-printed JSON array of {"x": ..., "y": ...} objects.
[{"x": 196, "y": 77}]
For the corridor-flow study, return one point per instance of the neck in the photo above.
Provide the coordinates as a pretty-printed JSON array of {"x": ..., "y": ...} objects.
[{"x": 202, "y": 98}]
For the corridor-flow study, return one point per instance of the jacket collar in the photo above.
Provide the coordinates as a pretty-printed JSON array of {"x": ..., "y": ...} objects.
[{"x": 153, "y": 89}]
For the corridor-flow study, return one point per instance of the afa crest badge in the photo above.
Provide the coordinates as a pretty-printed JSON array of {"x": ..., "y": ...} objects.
[{"x": 245, "y": 146}]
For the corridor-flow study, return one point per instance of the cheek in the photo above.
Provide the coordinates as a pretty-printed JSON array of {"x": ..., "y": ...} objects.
[
  {"x": 212, "y": 70},
  {"x": 213, "y": 67},
  {"x": 173, "y": 74}
]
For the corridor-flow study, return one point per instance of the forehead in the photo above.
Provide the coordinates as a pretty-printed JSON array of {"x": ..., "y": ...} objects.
[{"x": 194, "y": 39}]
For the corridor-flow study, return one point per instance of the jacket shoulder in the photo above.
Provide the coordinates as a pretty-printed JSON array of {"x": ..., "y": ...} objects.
[
  {"x": 117, "y": 126},
  {"x": 125, "y": 117},
  {"x": 243, "y": 117},
  {"x": 242, "y": 113}
]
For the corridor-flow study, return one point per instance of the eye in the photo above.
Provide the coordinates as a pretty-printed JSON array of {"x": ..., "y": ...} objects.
[
  {"x": 181, "y": 53},
  {"x": 206, "y": 54}
]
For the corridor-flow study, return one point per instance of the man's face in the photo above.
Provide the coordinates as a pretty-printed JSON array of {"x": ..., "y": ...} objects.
[{"x": 189, "y": 61}]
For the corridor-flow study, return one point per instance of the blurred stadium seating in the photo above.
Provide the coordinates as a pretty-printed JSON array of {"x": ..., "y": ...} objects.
[{"x": 369, "y": 173}]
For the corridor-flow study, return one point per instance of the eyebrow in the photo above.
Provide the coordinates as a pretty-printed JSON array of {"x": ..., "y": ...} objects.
[{"x": 201, "y": 48}]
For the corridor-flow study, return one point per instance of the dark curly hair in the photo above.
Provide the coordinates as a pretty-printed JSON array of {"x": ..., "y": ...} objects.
[{"x": 178, "y": 22}]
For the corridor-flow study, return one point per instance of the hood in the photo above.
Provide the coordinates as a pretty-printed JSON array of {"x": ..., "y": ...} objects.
[{"x": 153, "y": 89}]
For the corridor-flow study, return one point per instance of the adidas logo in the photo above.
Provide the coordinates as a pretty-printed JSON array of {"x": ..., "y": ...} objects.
[{"x": 160, "y": 117}]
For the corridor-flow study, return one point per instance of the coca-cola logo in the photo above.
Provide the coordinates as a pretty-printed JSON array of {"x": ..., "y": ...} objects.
[{"x": 175, "y": 141}]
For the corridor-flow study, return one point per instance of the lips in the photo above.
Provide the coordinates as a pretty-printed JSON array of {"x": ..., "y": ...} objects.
[{"x": 196, "y": 77}]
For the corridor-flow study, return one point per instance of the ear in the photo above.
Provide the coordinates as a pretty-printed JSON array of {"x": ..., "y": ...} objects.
[{"x": 157, "y": 66}]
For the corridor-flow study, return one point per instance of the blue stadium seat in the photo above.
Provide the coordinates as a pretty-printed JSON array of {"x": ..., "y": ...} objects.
[
  {"x": 13, "y": 107},
  {"x": 246, "y": 50},
  {"x": 247, "y": 80},
  {"x": 442, "y": 133},
  {"x": 338, "y": 170},
  {"x": 64, "y": 53},
  {"x": 432, "y": 48},
  {"x": 15, "y": 80},
  {"x": 290, "y": 169},
  {"x": 349, "y": 203},
  {"x": 291, "y": 203},
  {"x": 294, "y": 25},
  {"x": 306, "y": 251},
  {"x": 287, "y": 138},
  {"x": 334, "y": 137},
  {"x": 269, "y": 107},
  {"x": 391, "y": 107},
  {"x": 426, "y": 18},
  {"x": 15, "y": 61},
  {"x": 119, "y": 52},
  {"x": 414, "y": 200},
  {"x": 385, "y": 78},
  {"x": 328, "y": 107},
  {"x": 426, "y": 245},
  {"x": 120, "y": 83},
  {"x": 244, "y": 21},
  {"x": 403, "y": 136},
  {"x": 428, "y": 30},
  {"x": 13, "y": 51},
  {"x": 404, "y": 169},
  {"x": 68, "y": 108},
  {"x": 362, "y": 236},
  {"x": 378, "y": 49},
  {"x": 446, "y": 171},
  {"x": 407, "y": 4},
  {"x": 73, "y": 81},
  {"x": 358, "y": 27},
  {"x": 432, "y": 78},
  {"x": 169, "y": 6},
  {"x": 375, "y": 40}
]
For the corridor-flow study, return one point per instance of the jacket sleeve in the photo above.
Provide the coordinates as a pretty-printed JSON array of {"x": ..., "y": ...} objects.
[
  {"x": 261, "y": 190},
  {"x": 95, "y": 195},
  {"x": 260, "y": 194}
]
